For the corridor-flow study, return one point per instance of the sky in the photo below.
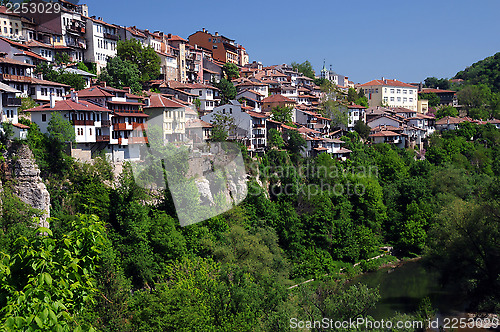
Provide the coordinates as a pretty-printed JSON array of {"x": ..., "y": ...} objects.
[{"x": 361, "y": 39}]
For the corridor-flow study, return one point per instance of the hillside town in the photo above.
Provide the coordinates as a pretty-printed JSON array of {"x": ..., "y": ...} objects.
[{"x": 185, "y": 96}]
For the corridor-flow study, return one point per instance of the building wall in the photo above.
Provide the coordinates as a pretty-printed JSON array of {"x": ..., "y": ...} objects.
[
  {"x": 393, "y": 96},
  {"x": 10, "y": 26}
]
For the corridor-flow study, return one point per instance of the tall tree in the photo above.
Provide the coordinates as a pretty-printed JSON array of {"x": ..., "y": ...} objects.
[
  {"x": 120, "y": 73},
  {"x": 304, "y": 68},
  {"x": 282, "y": 114},
  {"x": 60, "y": 129},
  {"x": 231, "y": 71},
  {"x": 227, "y": 90},
  {"x": 145, "y": 58}
]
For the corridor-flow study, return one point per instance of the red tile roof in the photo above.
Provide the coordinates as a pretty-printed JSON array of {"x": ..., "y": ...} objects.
[
  {"x": 437, "y": 91},
  {"x": 13, "y": 43},
  {"x": 14, "y": 62},
  {"x": 69, "y": 105},
  {"x": 386, "y": 133},
  {"x": 131, "y": 114},
  {"x": 277, "y": 99},
  {"x": 177, "y": 38},
  {"x": 35, "y": 80},
  {"x": 20, "y": 125},
  {"x": 94, "y": 91},
  {"x": 388, "y": 83},
  {"x": 156, "y": 100},
  {"x": 32, "y": 54}
]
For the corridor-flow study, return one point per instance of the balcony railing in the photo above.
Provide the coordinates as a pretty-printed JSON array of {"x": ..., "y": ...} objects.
[
  {"x": 11, "y": 101},
  {"x": 110, "y": 36},
  {"x": 259, "y": 135},
  {"x": 259, "y": 125},
  {"x": 122, "y": 126},
  {"x": 16, "y": 78},
  {"x": 141, "y": 126},
  {"x": 122, "y": 141},
  {"x": 83, "y": 122},
  {"x": 137, "y": 140},
  {"x": 75, "y": 28},
  {"x": 102, "y": 138}
]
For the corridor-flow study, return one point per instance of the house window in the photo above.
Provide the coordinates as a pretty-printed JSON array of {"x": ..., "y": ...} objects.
[
  {"x": 399, "y": 98},
  {"x": 404, "y": 100},
  {"x": 392, "y": 90},
  {"x": 44, "y": 117},
  {"x": 411, "y": 100},
  {"x": 90, "y": 131},
  {"x": 392, "y": 98},
  {"x": 405, "y": 92},
  {"x": 399, "y": 91},
  {"x": 200, "y": 93}
]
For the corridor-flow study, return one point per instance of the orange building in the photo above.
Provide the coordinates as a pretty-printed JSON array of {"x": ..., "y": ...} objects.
[{"x": 223, "y": 48}]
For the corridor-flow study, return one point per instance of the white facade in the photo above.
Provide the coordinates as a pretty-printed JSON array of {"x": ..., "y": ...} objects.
[{"x": 102, "y": 41}]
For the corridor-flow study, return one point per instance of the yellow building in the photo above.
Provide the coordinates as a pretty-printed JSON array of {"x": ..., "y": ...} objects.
[
  {"x": 10, "y": 24},
  {"x": 390, "y": 93}
]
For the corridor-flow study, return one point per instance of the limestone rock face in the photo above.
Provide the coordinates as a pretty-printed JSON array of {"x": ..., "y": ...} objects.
[{"x": 24, "y": 174}]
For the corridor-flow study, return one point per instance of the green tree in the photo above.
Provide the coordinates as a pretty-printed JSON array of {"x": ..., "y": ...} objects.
[
  {"x": 56, "y": 274},
  {"x": 231, "y": 71},
  {"x": 145, "y": 58},
  {"x": 446, "y": 111},
  {"x": 227, "y": 90},
  {"x": 362, "y": 129},
  {"x": 275, "y": 139},
  {"x": 431, "y": 97},
  {"x": 295, "y": 142},
  {"x": 121, "y": 73},
  {"x": 75, "y": 81},
  {"x": 223, "y": 127},
  {"x": 60, "y": 129},
  {"x": 437, "y": 83},
  {"x": 352, "y": 95},
  {"x": 62, "y": 58},
  {"x": 282, "y": 114},
  {"x": 26, "y": 104},
  {"x": 304, "y": 68}
]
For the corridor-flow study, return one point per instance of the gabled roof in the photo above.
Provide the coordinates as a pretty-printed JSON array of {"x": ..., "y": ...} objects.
[
  {"x": 13, "y": 43},
  {"x": 177, "y": 38},
  {"x": 352, "y": 105},
  {"x": 69, "y": 105},
  {"x": 436, "y": 91},
  {"x": 156, "y": 100},
  {"x": 20, "y": 126},
  {"x": 35, "y": 80},
  {"x": 31, "y": 54},
  {"x": 402, "y": 110},
  {"x": 197, "y": 123},
  {"x": 134, "y": 31},
  {"x": 94, "y": 91},
  {"x": 452, "y": 120},
  {"x": 8, "y": 88},
  {"x": 277, "y": 99},
  {"x": 14, "y": 62},
  {"x": 256, "y": 114},
  {"x": 388, "y": 83},
  {"x": 386, "y": 133}
]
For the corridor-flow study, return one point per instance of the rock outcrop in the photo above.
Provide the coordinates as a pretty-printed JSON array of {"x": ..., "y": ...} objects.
[{"x": 22, "y": 172}]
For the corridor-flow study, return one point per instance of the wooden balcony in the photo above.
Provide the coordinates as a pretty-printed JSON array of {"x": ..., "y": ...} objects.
[
  {"x": 137, "y": 140},
  {"x": 141, "y": 126},
  {"x": 16, "y": 78},
  {"x": 122, "y": 126},
  {"x": 10, "y": 101},
  {"x": 259, "y": 125},
  {"x": 102, "y": 138},
  {"x": 83, "y": 122}
]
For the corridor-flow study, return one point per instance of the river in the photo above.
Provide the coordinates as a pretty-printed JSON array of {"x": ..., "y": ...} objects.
[{"x": 403, "y": 288}]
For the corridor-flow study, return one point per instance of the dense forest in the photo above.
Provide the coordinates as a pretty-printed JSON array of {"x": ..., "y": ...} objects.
[{"x": 116, "y": 260}]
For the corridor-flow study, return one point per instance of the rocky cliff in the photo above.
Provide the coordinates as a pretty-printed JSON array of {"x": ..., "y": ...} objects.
[{"x": 21, "y": 171}]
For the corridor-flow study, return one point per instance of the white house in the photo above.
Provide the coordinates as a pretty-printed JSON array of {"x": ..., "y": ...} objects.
[
  {"x": 102, "y": 39},
  {"x": 392, "y": 93}
]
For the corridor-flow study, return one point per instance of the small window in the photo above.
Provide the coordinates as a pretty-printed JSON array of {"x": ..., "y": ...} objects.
[{"x": 44, "y": 117}]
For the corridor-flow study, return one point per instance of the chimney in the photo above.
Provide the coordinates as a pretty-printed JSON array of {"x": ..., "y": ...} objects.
[
  {"x": 127, "y": 89},
  {"x": 74, "y": 96},
  {"x": 103, "y": 84},
  {"x": 52, "y": 101},
  {"x": 383, "y": 79},
  {"x": 169, "y": 36},
  {"x": 216, "y": 33}
]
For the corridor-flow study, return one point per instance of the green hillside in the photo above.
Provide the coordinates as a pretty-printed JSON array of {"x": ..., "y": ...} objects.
[{"x": 486, "y": 71}]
